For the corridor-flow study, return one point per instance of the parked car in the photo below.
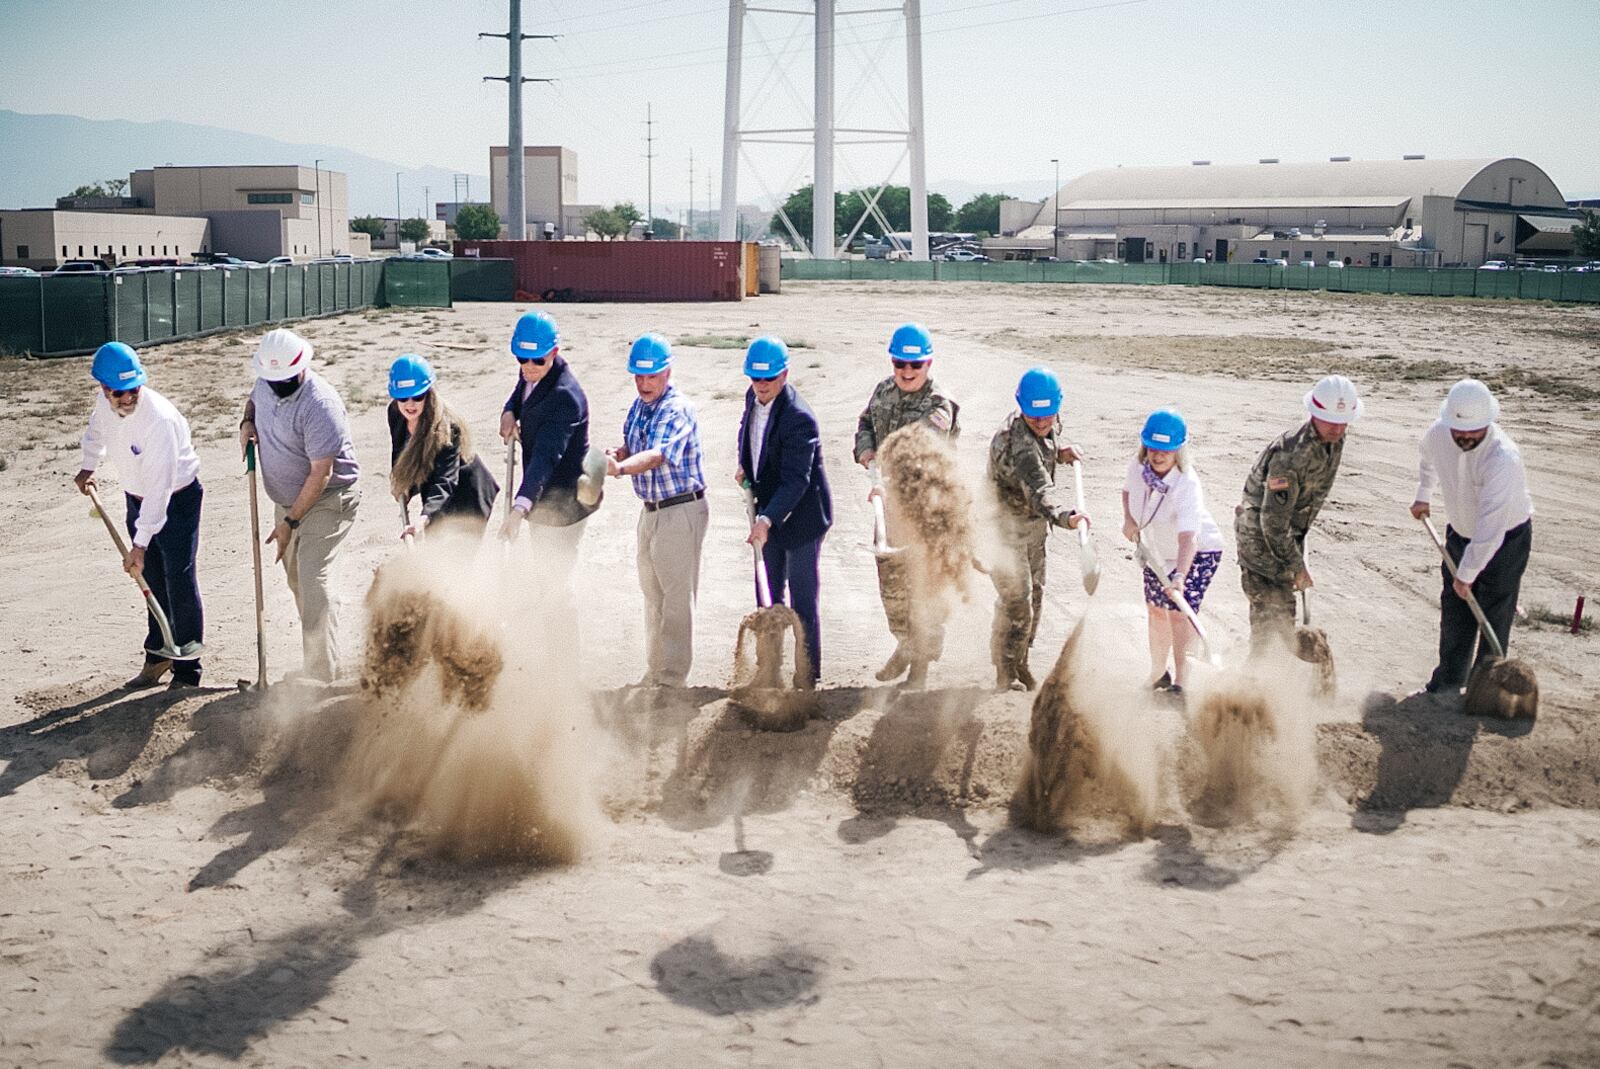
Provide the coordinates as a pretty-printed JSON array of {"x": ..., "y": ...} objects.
[
  {"x": 1494, "y": 265},
  {"x": 1308, "y": 263},
  {"x": 1333, "y": 263},
  {"x": 1551, "y": 269},
  {"x": 431, "y": 253},
  {"x": 966, "y": 256},
  {"x": 1269, "y": 261},
  {"x": 80, "y": 267},
  {"x": 281, "y": 261},
  {"x": 18, "y": 272}
]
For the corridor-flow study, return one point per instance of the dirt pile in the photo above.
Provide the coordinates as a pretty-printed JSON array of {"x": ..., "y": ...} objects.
[
  {"x": 471, "y": 730},
  {"x": 762, "y": 632},
  {"x": 1094, "y": 759}
]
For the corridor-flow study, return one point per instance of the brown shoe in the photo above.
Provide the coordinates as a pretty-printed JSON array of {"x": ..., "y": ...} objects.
[
  {"x": 1025, "y": 676},
  {"x": 149, "y": 676},
  {"x": 917, "y": 678}
]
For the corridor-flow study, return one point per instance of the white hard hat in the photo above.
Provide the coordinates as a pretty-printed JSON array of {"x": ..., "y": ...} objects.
[
  {"x": 1334, "y": 400},
  {"x": 281, "y": 355},
  {"x": 1469, "y": 406}
]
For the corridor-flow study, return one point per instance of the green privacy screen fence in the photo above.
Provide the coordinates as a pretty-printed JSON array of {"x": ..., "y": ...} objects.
[
  {"x": 1443, "y": 282},
  {"x": 60, "y": 314}
]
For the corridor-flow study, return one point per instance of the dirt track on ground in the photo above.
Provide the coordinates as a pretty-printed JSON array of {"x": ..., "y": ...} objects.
[{"x": 185, "y": 883}]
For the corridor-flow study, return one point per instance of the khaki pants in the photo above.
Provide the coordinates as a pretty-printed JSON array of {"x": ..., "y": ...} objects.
[
  {"x": 308, "y": 563},
  {"x": 669, "y": 574}
]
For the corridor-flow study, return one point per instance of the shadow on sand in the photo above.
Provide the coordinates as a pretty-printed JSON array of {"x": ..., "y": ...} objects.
[{"x": 1424, "y": 744}]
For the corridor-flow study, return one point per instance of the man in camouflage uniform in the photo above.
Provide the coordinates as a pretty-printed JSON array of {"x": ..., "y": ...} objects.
[
  {"x": 1022, "y": 466},
  {"x": 905, "y": 397},
  {"x": 1286, "y": 488}
]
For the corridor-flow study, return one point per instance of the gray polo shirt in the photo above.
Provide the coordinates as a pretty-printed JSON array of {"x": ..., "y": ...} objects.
[{"x": 309, "y": 425}]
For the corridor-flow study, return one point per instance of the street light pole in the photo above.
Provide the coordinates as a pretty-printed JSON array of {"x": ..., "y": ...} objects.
[
  {"x": 1055, "y": 210},
  {"x": 318, "y": 165}
]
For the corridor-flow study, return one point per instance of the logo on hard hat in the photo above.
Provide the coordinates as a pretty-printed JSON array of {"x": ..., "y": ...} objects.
[
  {"x": 911, "y": 350},
  {"x": 405, "y": 383},
  {"x": 127, "y": 374},
  {"x": 1160, "y": 437},
  {"x": 527, "y": 345},
  {"x": 1040, "y": 402},
  {"x": 760, "y": 367}
]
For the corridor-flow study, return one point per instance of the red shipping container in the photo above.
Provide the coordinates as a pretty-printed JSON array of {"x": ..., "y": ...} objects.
[{"x": 620, "y": 270}]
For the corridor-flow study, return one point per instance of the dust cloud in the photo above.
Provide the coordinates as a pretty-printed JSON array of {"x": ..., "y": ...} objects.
[
  {"x": 473, "y": 727},
  {"x": 1255, "y": 744}
]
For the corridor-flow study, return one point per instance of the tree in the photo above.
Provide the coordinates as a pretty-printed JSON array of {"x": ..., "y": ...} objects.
[
  {"x": 981, "y": 213},
  {"x": 93, "y": 190},
  {"x": 1586, "y": 235},
  {"x": 477, "y": 222},
  {"x": 115, "y": 186},
  {"x": 415, "y": 230},
  {"x": 370, "y": 225},
  {"x": 665, "y": 229},
  {"x": 606, "y": 222},
  {"x": 628, "y": 214},
  {"x": 894, "y": 203}
]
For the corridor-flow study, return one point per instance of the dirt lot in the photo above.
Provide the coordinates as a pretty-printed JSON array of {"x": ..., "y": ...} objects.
[{"x": 185, "y": 882}]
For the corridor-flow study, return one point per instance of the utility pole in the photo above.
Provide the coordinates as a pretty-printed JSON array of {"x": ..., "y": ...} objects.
[
  {"x": 318, "y": 165},
  {"x": 689, "y": 230},
  {"x": 397, "y": 209},
  {"x": 649, "y": 170},
  {"x": 516, "y": 192},
  {"x": 1055, "y": 209}
]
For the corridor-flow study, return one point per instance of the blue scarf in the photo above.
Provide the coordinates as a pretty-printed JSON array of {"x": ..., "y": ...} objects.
[{"x": 1152, "y": 480}]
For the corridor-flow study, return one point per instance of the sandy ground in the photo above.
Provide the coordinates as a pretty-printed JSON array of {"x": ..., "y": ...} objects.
[{"x": 181, "y": 884}]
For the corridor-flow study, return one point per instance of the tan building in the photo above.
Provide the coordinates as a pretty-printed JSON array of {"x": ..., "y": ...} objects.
[
  {"x": 549, "y": 182},
  {"x": 45, "y": 238},
  {"x": 1369, "y": 213},
  {"x": 257, "y": 212}
]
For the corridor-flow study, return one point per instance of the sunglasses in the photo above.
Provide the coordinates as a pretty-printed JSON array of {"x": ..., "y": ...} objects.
[
  {"x": 536, "y": 361},
  {"x": 757, "y": 378},
  {"x": 901, "y": 365},
  {"x": 120, "y": 394}
]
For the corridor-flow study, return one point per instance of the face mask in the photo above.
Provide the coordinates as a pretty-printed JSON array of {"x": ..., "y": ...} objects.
[{"x": 286, "y": 388}]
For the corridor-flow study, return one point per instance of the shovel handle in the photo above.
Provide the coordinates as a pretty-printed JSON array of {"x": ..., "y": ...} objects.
[
  {"x": 405, "y": 521},
  {"x": 1472, "y": 603},
  {"x": 763, "y": 590},
  {"x": 144, "y": 588},
  {"x": 255, "y": 557},
  {"x": 511, "y": 474}
]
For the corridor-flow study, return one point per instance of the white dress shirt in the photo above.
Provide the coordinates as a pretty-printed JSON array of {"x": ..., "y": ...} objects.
[
  {"x": 759, "y": 415},
  {"x": 150, "y": 450},
  {"x": 1163, "y": 517},
  {"x": 1485, "y": 490}
]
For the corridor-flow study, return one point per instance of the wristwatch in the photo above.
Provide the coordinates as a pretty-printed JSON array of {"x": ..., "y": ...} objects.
[{"x": 294, "y": 524}]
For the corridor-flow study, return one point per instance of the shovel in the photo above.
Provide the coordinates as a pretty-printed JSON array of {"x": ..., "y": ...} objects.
[
  {"x": 880, "y": 526},
  {"x": 255, "y": 558},
  {"x": 169, "y": 649},
  {"x": 405, "y": 521},
  {"x": 1148, "y": 557},
  {"x": 1311, "y": 646},
  {"x": 1086, "y": 558},
  {"x": 1499, "y": 686}
]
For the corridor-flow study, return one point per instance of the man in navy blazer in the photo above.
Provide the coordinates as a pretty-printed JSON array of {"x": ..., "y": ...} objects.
[{"x": 780, "y": 459}]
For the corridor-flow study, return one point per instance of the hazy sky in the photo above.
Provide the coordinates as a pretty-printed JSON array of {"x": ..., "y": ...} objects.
[{"x": 1010, "y": 84}]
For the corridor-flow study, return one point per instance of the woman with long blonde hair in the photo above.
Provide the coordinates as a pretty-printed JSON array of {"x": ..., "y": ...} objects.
[{"x": 431, "y": 453}]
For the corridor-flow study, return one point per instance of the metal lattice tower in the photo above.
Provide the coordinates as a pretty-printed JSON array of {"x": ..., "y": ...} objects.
[{"x": 824, "y": 135}]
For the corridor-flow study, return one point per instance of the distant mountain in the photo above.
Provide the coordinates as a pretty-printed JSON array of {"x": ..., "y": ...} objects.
[{"x": 47, "y": 156}]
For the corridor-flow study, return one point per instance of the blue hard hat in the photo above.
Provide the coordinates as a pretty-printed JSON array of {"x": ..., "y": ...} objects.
[
  {"x": 767, "y": 358},
  {"x": 1165, "y": 431},
  {"x": 911, "y": 341},
  {"x": 650, "y": 354},
  {"x": 535, "y": 335},
  {"x": 409, "y": 376},
  {"x": 117, "y": 367},
  {"x": 1039, "y": 392}
]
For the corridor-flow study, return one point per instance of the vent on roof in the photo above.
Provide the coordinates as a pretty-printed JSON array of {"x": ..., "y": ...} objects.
[
  {"x": 1338, "y": 159},
  {"x": 1201, "y": 163},
  {"x": 1418, "y": 157},
  {"x": 1266, "y": 161}
]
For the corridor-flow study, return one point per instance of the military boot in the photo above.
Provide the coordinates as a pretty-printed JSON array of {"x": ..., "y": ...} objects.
[
  {"x": 898, "y": 662},
  {"x": 917, "y": 678},
  {"x": 149, "y": 676}
]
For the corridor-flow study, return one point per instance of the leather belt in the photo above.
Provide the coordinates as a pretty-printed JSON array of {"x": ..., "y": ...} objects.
[{"x": 668, "y": 502}]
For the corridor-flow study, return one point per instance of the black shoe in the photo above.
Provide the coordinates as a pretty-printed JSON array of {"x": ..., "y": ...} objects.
[{"x": 1164, "y": 683}]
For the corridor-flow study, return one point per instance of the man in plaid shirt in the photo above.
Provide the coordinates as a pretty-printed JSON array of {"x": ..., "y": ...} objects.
[{"x": 661, "y": 453}]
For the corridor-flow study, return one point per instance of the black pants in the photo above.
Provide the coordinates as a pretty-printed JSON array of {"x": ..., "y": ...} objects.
[
  {"x": 169, "y": 570},
  {"x": 1495, "y": 588}
]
